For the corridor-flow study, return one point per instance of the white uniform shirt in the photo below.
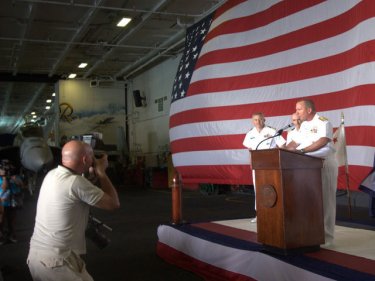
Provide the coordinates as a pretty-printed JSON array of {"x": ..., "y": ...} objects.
[
  {"x": 311, "y": 131},
  {"x": 294, "y": 135},
  {"x": 253, "y": 138},
  {"x": 62, "y": 213}
]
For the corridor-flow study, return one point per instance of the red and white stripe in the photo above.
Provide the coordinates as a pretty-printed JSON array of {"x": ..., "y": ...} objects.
[
  {"x": 265, "y": 56},
  {"x": 208, "y": 256}
]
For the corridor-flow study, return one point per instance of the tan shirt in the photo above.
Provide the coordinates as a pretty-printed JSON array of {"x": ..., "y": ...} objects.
[{"x": 62, "y": 213}]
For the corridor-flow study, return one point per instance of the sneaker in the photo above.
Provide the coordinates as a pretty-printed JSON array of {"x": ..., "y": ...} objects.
[{"x": 253, "y": 220}]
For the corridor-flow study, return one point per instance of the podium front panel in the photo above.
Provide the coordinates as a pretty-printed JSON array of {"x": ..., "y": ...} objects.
[
  {"x": 270, "y": 217},
  {"x": 288, "y": 198}
]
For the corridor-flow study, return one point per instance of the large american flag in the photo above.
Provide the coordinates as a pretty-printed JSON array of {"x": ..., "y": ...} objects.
[{"x": 264, "y": 55}]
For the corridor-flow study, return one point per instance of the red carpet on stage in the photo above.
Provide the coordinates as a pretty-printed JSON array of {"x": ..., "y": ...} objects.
[{"x": 229, "y": 250}]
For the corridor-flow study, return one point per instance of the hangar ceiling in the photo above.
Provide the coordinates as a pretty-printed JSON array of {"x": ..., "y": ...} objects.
[{"x": 42, "y": 41}]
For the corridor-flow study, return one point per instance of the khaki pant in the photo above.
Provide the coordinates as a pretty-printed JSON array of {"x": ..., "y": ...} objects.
[{"x": 46, "y": 268}]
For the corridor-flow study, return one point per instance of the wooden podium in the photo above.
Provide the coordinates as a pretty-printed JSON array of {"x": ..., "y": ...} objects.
[{"x": 288, "y": 199}]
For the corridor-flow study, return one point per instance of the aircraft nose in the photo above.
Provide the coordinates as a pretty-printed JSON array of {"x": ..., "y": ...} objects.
[{"x": 35, "y": 154}]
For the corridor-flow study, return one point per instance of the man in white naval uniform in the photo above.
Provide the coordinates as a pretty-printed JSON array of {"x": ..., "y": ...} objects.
[
  {"x": 295, "y": 133},
  {"x": 255, "y": 139},
  {"x": 316, "y": 140}
]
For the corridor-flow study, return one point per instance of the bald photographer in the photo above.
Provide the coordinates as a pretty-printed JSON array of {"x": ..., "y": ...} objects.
[{"x": 62, "y": 214}]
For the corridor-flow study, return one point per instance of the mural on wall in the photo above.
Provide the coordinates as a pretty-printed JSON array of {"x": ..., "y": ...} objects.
[{"x": 92, "y": 110}]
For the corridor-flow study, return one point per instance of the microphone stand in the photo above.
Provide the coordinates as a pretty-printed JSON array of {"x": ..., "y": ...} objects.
[{"x": 278, "y": 133}]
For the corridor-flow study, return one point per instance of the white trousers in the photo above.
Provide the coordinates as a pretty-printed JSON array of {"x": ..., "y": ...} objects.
[
  {"x": 255, "y": 198},
  {"x": 329, "y": 187}
]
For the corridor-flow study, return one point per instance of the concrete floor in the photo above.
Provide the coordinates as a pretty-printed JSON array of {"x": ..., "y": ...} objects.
[{"x": 131, "y": 254}]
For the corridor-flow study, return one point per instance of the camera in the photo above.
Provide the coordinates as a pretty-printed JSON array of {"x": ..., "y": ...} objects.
[{"x": 95, "y": 232}]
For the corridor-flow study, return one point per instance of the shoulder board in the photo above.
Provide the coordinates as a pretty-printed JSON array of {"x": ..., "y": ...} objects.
[
  {"x": 271, "y": 127},
  {"x": 323, "y": 118}
]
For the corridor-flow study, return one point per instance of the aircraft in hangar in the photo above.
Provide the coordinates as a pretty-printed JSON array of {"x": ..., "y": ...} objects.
[{"x": 30, "y": 154}]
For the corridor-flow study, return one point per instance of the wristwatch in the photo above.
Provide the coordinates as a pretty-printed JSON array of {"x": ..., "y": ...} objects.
[{"x": 302, "y": 150}]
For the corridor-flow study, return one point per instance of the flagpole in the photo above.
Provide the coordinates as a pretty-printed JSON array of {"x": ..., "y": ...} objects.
[
  {"x": 346, "y": 169},
  {"x": 348, "y": 193}
]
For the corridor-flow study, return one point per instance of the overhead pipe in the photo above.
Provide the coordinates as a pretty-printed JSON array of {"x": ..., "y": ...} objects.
[
  {"x": 76, "y": 34},
  {"x": 153, "y": 55},
  {"x": 72, "y": 3},
  {"x": 79, "y": 43},
  {"x": 125, "y": 37},
  {"x": 150, "y": 58},
  {"x": 30, "y": 17},
  {"x": 25, "y": 77}
]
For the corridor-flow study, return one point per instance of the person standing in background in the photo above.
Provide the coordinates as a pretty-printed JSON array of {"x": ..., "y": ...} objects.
[
  {"x": 256, "y": 139},
  {"x": 294, "y": 134},
  {"x": 4, "y": 202},
  {"x": 10, "y": 192}
]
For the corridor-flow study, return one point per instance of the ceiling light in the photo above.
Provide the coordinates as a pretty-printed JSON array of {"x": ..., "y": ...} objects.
[
  {"x": 123, "y": 22},
  {"x": 48, "y": 101},
  {"x": 82, "y": 65},
  {"x": 53, "y": 94},
  {"x": 48, "y": 107},
  {"x": 72, "y": 75},
  {"x": 33, "y": 113}
]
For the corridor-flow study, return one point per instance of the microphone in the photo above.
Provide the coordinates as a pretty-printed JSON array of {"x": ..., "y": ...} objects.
[
  {"x": 291, "y": 125},
  {"x": 278, "y": 133}
]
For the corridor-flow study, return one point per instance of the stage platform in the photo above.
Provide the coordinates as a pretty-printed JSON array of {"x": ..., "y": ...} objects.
[{"x": 228, "y": 250}]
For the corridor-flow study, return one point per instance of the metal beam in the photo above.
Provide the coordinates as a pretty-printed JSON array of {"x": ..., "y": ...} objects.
[
  {"x": 96, "y": 6},
  {"x": 139, "y": 25},
  {"x": 24, "y": 77}
]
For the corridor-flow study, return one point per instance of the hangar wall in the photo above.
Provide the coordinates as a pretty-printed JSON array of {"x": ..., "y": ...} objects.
[
  {"x": 149, "y": 125},
  {"x": 82, "y": 108}
]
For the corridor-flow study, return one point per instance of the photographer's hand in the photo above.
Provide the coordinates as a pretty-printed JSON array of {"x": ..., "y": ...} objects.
[
  {"x": 110, "y": 198},
  {"x": 91, "y": 176},
  {"x": 101, "y": 165}
]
